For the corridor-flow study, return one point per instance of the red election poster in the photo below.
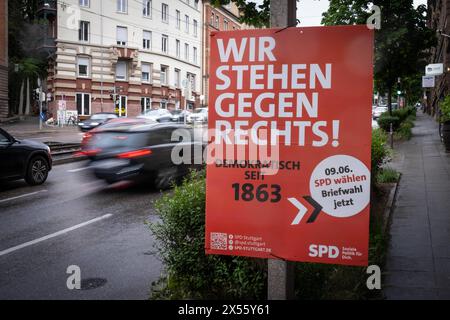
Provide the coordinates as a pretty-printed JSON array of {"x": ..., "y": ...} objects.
[{"x": 289, "y": 158}]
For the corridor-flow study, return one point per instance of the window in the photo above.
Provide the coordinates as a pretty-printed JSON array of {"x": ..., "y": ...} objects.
[
  {"x": 196, "y": 4},
  {"x": 195, "y": 28},
  {"x": 4, "y": 140},
  {"x": 121, "y": 70},
  {"x": 146, "y": 72},
  {"x": 122, "y": 6},
  {"x": 186, "y": 52},
  {"x": 147, "y": 40},
  {"x": 83, "y": 32},
  {"x": 164, "y": 42},
  {"x": 212, "y": 19},
  {"x": 195, "y": 55},
  {"x": 164, "y": 74},
  {"x": 83, "y": 104},
  {"x": 225, "y": 25},
  {"x": 178, "y": 48},
  {"x": 217, "y": 22},
  {"x": 165, "y": 12},
  {"x": 147, "y": 8},
  {"x": 146, "y": 104},
  {"x": 163, "y": 104},
  {"x": 122, "y": 36},
  {"x": 84, "y": 3},
  {"x": 191, "y": 80},
  {"x": 177, "y": 78},
  {"x": 178, "y": 20},
  {"x": 186, "y": 22},
  {"x": 83, "y": 66}
]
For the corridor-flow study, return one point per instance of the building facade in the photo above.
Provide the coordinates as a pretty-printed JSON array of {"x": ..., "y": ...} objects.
[
  {"x": 223, "y": 18},
  {"x": 439, "y": 20},
  {"x": 4, "y": 102},
  {"x": 123, "y": 56}
]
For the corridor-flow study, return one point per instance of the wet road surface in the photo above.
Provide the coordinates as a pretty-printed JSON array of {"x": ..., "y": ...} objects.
[{"x": 75, "y": 220}]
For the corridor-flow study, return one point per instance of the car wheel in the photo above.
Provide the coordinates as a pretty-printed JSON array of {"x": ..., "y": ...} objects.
[{"x": 37, "y": 171}]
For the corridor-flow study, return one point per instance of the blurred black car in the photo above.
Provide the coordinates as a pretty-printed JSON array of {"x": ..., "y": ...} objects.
[
  {"x": 179, "y": 116},
  {"x": 141, "y": 152},
  {"x": 96, "y": 120},
  {"x": 24, "y": 159}
]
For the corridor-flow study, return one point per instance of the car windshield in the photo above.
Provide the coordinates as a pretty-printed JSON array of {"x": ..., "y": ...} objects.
[
  {"x": 101, "y": 116},
  {"x": 199, "y": 110},
  {"x": 175, "y": 112},
  {"x": 156, "y": 112},
  {"x": 108, "y": 140}
]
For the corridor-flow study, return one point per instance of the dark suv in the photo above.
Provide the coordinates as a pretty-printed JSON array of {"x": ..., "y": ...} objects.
[
  {"x": 142, "y": 151},
  {"x": 24, "y": 159}
]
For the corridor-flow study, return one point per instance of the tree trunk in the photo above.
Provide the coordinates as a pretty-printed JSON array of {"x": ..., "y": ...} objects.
[
  {"x": 27, "y": 107},
  {"x": 20, "y": 111},
  {"x": 389, "y": 99}
]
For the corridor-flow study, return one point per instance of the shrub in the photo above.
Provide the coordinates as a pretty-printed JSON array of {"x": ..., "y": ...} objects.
[
  {"x": 387, "y": 175},
  {"x": 191, "y": 274},
  {"x": 385, "y": 121},
  {"x": 445, "y": 109},
  {"x": 402, "y": 114},
  {"x": 379, "y": 150},
  {"x": 404, "y": 132}
]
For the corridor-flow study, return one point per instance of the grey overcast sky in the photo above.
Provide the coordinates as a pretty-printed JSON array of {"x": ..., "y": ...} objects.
[{"x": 309, "y": 12}]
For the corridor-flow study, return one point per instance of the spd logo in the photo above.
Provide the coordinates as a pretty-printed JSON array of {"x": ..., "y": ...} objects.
[{"x": 320, "y": 251}]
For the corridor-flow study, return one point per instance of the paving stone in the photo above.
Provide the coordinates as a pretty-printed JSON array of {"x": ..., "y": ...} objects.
[
  {"x": 401, "y": 263},
  {"x": 418, "y": 259},
  {"x": 405, "y": 293}
]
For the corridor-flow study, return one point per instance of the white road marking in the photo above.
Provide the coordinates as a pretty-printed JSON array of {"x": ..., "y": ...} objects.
[
  {"x": 22, "y": 196},
  {"x": 78, "y": 170},
  {"x": 53, "y": 235}
]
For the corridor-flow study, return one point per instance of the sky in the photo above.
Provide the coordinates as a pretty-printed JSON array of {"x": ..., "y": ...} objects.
[{"x": 309, "y": 12}]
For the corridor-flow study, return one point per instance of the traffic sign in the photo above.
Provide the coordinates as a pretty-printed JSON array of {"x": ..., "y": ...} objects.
[
  {"x": 434, "y": 69},
  {"x": 288, "y": 171},
  {"x": 428, "y": 82}
]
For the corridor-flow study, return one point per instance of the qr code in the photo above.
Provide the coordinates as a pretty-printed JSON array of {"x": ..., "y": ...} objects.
[{"x": 218, "y": 241}]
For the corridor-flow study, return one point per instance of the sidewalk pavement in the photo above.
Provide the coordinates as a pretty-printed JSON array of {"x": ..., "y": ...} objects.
[
  {"x": 28, "y": 128},
  {"x": 418, "y": 260}
]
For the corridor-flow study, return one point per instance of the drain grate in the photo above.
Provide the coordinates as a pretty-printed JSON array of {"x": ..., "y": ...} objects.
[{"x": 92, "y": 283}]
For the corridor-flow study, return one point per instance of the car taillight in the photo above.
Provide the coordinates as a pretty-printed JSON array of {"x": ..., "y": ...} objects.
[
  {"x": 86, "y": 138},
  {"x": 88, "y": 153},
  {"x": 134, "y": 154}
]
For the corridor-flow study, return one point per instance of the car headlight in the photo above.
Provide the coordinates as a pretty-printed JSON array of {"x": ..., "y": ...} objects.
[
  {"x": 95, "y": 123},
  {"x": 81, "y": 124}
]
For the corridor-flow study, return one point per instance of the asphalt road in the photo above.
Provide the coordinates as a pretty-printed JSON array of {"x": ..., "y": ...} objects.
[{"x": 75, "y": 220}]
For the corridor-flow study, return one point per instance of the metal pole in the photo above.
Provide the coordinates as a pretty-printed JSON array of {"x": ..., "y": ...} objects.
[
  {"x": 280, "y": 275},
  {"x": 102, "y": 48},
  {"x": 40, "y": 103},
  {"x": 391, "y": 135}
]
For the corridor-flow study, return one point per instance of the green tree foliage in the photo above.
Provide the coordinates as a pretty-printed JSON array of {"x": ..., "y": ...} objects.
[
  {"x": 257, "y": 15},
  {"x": 25, "y": 36},
  {"x": 400, "y": 44}
]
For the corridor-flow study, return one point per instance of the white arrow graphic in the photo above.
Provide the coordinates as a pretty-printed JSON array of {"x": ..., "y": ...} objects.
[{"x": 301, "y": 211}]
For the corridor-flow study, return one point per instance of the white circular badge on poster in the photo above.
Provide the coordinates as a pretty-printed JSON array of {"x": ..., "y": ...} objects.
[{"x": 341, "y": 185}]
